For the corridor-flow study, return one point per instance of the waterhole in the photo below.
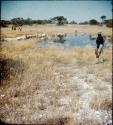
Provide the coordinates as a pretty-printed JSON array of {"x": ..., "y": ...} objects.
[{"x": 71, "y": 41}]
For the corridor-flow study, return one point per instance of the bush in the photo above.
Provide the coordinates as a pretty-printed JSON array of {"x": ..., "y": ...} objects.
[
  {"x": 28, "y": 21},
  {"x": 109, "y": 23},
  {"x": 84, "y": 23},
  {"x": 4, "y": 23},
  {"x": 73, "y": 22},
  {"x": 93, "y": 22}
]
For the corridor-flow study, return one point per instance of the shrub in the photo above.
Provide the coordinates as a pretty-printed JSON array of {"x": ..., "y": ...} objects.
[
  {"x": 84, "y": 23},
  {"x": 73, "y": 22},
  {"x": 109, "y": 23},
  {"x": 4, "y": 23},
  {"x": 93, "y": 22}
]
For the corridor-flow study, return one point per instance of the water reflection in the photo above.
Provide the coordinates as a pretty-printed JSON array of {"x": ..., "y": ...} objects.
[
  {"x": 70, "y": 41},
  {"x": 60, "y": 38}
]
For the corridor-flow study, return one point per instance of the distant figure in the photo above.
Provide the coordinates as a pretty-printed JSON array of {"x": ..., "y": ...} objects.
[
  {"x": 99, "y": 48},
  {"x": 90, "y": 36},
  {"x": 12, "y": 27},
  {"x": 75, "y": 32},
  {"x": 15, "y": 26},
  {"x": 19, "y": 28}
]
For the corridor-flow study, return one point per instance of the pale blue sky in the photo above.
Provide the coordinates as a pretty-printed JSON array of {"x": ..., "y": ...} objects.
[{"x": 72, "y": 10}]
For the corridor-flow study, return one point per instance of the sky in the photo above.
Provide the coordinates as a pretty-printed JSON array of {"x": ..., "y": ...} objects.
[{"x": 78, "y": 11}]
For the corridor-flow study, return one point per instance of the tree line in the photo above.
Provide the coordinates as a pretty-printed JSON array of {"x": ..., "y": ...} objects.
[{"x": 59, "y": 20}]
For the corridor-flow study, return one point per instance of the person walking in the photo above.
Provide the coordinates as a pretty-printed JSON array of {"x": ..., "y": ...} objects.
[{"x": 99, "y": 48}]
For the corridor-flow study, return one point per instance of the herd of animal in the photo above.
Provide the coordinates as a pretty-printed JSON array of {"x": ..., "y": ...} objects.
[{"x": 40, "y": 36}]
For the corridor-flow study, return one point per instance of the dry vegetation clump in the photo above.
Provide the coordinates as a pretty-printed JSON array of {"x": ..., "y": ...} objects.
[
  {"x": 85, "y": 57},
  {"x": 10, "y": 68},
  {"x": 102, "y": 102},
  {"x": 58, "y": 121}
]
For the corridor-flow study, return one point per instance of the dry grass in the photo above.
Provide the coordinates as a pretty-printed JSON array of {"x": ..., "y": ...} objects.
[
  {"x": 81, "y": 29},
  {"x": 38, "y": 82},
  {"x": 102, "y": 102}
]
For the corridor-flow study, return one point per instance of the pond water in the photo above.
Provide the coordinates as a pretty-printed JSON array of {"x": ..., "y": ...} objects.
[{"x": 71, "y": 41}]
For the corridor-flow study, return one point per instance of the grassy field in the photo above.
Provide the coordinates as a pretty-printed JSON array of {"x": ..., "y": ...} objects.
[
  {"x": 54, "y": 86},
  {"x": 50, "y": 29}
]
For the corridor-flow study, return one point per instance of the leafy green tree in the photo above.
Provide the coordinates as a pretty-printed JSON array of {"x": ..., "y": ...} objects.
[
  {"x": 5, "y": 23},
  {"x": 93, "y": 22},
  {"x": 60, "y": 20},
  {"x": 28, "y": 21},
  {"x": 18, "y": 20}
]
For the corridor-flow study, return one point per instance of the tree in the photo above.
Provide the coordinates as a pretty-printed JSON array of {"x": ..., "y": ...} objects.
[
  {"x": 18, "y": 20},
  {"x": 84, "y": 23},
  {"x": 60, "y": 20},
  {"x": 28, "y": 21},
  {"x": 41, "y": 21},
  {"x": 93, "y": 22},
  {"x": 103, "y": 18},
  {"x": 73, "y": 22},
  {"x": 5, "y": 23}
]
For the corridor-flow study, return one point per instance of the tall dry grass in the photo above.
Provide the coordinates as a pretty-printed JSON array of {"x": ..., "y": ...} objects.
[{"x": 33, "y": 91}]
